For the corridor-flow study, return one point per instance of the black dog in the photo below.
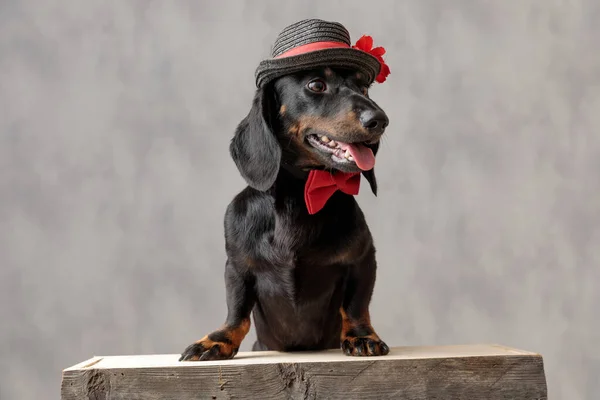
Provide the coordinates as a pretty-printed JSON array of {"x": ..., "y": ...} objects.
[{"x": 307, "y": 279}]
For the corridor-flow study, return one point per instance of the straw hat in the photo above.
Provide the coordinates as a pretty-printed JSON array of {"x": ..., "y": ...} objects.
[{"x": 313, "y": 43}]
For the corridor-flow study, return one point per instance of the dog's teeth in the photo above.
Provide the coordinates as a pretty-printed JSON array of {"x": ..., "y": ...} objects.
[
  {"x": 325, "y": 139},
  {"x": 350, "y": 158},
  {"x": 347, "y": 154},
  {"x": 332, "y": 143}
]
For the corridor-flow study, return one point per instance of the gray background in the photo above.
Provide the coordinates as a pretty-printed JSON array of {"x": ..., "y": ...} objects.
[{"x": 115, "y": 117}]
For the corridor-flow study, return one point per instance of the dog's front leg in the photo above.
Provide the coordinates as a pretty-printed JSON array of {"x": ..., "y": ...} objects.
[
  {"x": 358, "y": 337},
  {"x": 225, "y": 342}
]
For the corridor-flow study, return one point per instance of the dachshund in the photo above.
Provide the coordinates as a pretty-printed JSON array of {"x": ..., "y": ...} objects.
[{"x": 307, "y": 279}]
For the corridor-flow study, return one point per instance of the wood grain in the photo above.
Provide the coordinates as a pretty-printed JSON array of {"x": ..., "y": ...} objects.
[{"x": 440, "y": 372}]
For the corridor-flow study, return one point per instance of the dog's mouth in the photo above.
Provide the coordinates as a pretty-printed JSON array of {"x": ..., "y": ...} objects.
[{"x": 358, "y": 153}]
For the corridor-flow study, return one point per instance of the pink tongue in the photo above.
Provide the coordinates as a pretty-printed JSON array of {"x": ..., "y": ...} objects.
[{"x": 363, "y": 156}]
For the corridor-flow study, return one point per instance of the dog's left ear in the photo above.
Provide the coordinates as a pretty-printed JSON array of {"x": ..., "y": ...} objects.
[
  {"x": 370, "y": 174},
  {"x": 254, "y": 147}
]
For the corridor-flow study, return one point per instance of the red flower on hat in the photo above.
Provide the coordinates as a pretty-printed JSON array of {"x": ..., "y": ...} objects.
[{"x": 365, "y": 44}]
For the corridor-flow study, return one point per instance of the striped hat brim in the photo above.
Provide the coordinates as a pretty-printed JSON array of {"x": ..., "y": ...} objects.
[{"x": 344, "y": 57}]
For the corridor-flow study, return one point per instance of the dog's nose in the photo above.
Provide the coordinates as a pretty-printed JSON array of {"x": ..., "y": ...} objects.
[{"x": 375, "y": 121}]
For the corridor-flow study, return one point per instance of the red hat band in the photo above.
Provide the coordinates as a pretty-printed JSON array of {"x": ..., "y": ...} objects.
[
  {"x": 365, "y": 43},
  {"x": 307, "y": 48}
]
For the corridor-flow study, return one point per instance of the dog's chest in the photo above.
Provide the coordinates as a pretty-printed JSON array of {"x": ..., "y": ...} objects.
[
  {"x": 308, "y": 255},
  {"x": 309, "y": 264},
  {"x": 322, "y": 240}
]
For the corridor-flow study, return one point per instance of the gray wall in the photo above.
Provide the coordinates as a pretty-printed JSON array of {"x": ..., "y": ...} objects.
[{"x": 115, "y": 117}]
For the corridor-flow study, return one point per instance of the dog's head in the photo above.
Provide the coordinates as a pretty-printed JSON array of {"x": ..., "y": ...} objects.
[{"x": 317, "y": 119}]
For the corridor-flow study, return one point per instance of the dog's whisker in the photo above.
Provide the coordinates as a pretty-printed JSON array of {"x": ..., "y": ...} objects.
[{"x": 384, "y": 141}]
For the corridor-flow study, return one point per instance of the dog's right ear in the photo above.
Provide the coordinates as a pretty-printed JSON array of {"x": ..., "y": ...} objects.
[{"x": 254, "y": 147}]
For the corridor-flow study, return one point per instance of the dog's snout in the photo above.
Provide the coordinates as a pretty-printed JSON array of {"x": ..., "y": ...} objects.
[{"x": 375, "y": 121}]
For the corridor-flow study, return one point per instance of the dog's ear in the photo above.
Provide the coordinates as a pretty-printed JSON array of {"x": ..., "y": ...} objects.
[
  {"x": 370, "y": 174},
  {"x": 254, "y": 147}
]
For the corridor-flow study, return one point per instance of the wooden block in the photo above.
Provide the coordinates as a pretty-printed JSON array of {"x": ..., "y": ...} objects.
[{"x": 441, "y": 372}]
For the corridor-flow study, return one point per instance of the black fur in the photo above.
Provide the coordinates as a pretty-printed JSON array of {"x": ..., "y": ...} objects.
[
  {"x": 254, "y": 148},
  {"x": 306, "y": 279}
]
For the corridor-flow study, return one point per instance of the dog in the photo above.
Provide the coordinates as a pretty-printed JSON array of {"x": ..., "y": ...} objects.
[{"x": 306, "y": 278}]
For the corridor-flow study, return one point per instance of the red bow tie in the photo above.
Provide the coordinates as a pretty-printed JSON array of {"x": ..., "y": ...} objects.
[{"x": 321, "y": 185}]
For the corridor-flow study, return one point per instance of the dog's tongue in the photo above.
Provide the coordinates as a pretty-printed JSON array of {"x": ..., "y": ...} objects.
[{"x": 363, "y": 156}]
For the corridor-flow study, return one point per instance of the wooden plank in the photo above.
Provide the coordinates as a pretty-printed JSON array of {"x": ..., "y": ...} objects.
[{"x": 435, "y": 372}]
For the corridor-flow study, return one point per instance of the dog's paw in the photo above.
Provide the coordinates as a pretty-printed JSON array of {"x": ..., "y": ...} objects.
[
  {"x": 221, "y": 344},
  {"x": 206, "y": 350},
  {"x": 364, "y": 346}
]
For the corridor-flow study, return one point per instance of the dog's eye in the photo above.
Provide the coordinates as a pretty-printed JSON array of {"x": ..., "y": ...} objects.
[{"x": 317, "y": 86}]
